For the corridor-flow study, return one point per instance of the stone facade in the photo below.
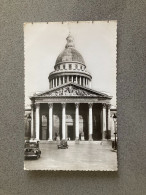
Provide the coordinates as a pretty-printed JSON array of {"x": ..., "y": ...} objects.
[{"x": 70, "y": 109}]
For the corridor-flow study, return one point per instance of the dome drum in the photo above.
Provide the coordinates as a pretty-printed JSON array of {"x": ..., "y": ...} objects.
[{"x": 64, "y": 79}]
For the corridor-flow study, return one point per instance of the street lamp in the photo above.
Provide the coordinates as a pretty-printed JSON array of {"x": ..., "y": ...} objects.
[
  {"x": 29, "y": 127},
  {"x": 115, "y": 120}
]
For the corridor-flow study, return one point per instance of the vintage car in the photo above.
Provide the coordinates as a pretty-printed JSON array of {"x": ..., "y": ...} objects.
[
  {"x": 63, "y": 144},
  {"x": 31, "y": 149}
]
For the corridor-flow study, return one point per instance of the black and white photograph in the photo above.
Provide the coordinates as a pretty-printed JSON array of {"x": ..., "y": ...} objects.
[{"x": 70, "y": 96}]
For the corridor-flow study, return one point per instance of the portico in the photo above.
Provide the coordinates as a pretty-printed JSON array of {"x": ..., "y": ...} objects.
[{"x": 70, "y": 114}]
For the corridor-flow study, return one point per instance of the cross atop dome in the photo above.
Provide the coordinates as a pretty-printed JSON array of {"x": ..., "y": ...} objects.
[{"x": 70, "y": 41}]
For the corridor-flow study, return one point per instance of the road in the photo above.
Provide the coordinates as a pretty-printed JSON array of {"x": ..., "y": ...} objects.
[{"x": 84, "y": 156}]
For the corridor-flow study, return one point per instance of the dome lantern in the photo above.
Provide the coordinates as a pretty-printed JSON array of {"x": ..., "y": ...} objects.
[{"x": 70, "y": 41}]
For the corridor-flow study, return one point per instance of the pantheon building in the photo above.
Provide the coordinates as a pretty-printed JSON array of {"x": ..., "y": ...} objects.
[{"x": 70, "y": 108}]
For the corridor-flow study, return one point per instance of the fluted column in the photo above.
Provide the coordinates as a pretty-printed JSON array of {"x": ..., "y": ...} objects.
[
  {"x": 50, "y": 121},
  {"x": 63, "y": 120},
  {"x": 90, "y": 122},
  {"x": 37, "y": 121},
  {"x": 104, "y": 121},
  {"x": 77, "y": 121},
  {"x": 32, "y": 120}
]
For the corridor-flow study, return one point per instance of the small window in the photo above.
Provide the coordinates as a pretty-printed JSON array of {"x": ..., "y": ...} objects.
[
  {"x": 63, "y": 66},
  {"x": 70, "y": 67},
  {"x": 57, "y": 68},
  {"x": 76, "y": 66}
]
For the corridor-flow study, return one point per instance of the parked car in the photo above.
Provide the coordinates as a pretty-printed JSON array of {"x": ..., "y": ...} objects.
[
  {"x": 63, "y": 144},
  {"x": 31, "y": 149}
]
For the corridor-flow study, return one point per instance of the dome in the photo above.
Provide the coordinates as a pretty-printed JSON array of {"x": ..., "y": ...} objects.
[
  {"x": 69, "y": 67},
  {"x": 70, "y": 54}
]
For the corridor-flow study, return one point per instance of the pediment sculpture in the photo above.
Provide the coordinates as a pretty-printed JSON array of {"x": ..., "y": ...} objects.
[{"x": 70, "y": 91}]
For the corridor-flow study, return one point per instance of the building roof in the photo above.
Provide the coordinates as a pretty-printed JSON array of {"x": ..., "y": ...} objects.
[{"x": 70, "y": 54}]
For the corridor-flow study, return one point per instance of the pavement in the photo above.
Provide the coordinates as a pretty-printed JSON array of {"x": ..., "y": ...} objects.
[{"x": 85, "y": 156}]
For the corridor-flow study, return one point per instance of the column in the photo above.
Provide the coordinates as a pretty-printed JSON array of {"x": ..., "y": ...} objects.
[
  {"x": 37, "y": 121},
  {"x": 83, "y": 81},
  {"x": 56, "y": 82},
  {"x": 50, "y": 121},
  {"x": 63, "y": 79},
  {"x": 90, "y": 122},
  {"x": 53, "y": 82},
  {"x": 108, "y": 122},
  {"x": 72, "y": 79},
  {"x": 77, "y": 121},
  {"x": 32, "y": 120},
  {"x": 80, "y": 80},
  {"x": 103, "y": 121},
  {"x": 76, "y": 80},
  {"x": 63, "y": 120}
]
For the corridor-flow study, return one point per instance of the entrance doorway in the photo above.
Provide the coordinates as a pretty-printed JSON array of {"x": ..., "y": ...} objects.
[
  {"x": 44, "y": 127},
  {"x": 70, "y": 133}
]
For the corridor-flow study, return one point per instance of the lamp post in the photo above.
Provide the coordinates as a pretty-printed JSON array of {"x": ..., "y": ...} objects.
[
  {"x": 29, "y": 126},
  {"x": 115, "y": 120}
]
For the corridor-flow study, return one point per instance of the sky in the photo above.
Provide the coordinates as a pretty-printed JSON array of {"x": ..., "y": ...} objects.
[{"x": 96, "y": 41}]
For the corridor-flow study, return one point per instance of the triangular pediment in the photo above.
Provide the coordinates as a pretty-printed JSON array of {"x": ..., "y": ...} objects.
[{"x": 72, "y": 90}]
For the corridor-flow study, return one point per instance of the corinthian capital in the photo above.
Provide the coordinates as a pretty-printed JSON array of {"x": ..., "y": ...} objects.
[
  {"x": 50, "y": 105},
  {"x": 37, "y": 105},
  {"x": 104, "y": 105},
  {"x": 90, "y": 105},
  {"x": 63, "y": 105},
  {"x": 77, "y": 105}
]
